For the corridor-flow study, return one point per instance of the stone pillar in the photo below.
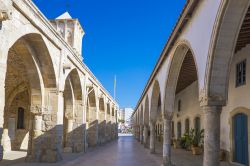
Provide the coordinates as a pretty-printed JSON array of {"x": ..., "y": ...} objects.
[
  {"x": 138, "y": 133},
  {"x": 36, "y": 152},
  {"x": 141, "y": 134},
  {"x": 152, "y": 137},
  {"x": 3, "y": 68},
  {"x": 212, "y": 135},
  {"x": 145, "y": 135},
  {"x": 167, "y": 139}
]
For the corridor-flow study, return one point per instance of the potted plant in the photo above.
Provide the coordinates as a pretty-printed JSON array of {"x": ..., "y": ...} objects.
[
  {"x": 185, "y": 141},
  {"x": 176, "y": 143},
  {"x": 197, "y": 137}
]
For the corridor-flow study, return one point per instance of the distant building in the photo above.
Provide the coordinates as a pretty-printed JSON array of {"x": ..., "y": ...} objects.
[
  {"x": 121, "y": 115},
  {"x": 124, "y": 117},
  {"x": 128, "y": 114}
]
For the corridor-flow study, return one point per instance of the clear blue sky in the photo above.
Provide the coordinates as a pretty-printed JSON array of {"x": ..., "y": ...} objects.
[{"x": 123, "y": 38}]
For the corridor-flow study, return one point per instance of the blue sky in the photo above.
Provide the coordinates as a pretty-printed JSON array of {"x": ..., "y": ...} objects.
[{"x": 123, "y": 38}]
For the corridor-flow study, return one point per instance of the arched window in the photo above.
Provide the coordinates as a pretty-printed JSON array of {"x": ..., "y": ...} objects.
[
  {"x": 187, "y": 125},
  {"x": 172, "y": 129},
  {"x": 179, "y": 130},
  {"x": 179, "y": 105},
  {"x": 197, "y": 123},
  {"x": 20, "y": 118}
]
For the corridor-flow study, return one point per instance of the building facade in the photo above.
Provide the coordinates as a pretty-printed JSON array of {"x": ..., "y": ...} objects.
[
  {"x": 201, "y": 81},
  {"x": 50, "y": 102}
]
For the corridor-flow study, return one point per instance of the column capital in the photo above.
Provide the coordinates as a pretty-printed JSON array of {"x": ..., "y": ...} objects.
[
  {"x": 215, "y": 100},
  {"x": 212, "y": 109},
  {"x": 168, "y": 115}
]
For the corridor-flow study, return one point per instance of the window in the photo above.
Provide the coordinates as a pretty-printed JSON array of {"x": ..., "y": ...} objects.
[
  {"x": 197, "y": 123},
  {"x": 241, "y": 73},
  {"x": 179, "y": 130},
  {"x": 20, "y": 118},
  {"x": 173, "y": 129},
  {"x": 187, "y": 126},
  {"x": 179, "y": 105}
]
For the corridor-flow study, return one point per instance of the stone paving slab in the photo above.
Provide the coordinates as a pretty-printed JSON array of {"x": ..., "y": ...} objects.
[{"x": 126, "y": 151}]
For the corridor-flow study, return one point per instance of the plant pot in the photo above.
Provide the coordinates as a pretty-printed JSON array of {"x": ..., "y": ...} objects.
[
  {"x": 222, "y": 155},
  {"x": 176, "y": 144},
  {"x": 196, "y": 150}
]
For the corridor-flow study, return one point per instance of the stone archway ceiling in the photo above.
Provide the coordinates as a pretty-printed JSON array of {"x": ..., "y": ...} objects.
[
  {"x": 188, "y": 73},
  {"x": 244, "y": 34},
  {"x": 16, "y": 72}
]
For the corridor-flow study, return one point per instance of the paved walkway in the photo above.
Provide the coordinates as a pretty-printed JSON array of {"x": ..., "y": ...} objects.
[{"x": 126, "y": 151}]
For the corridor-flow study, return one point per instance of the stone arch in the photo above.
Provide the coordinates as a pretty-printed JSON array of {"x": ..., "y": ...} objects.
[
  {"x": 108, "y": 123},
  {"x": 155, "y": 100},
  {"x": 141, "y": 115},
  {"x": 101, "y": 121},
  {"x": 113, "y": 122},
  {"x": 29, "y": 75},
  {"x": 223, "y": 45},
  {"x": 92, "y": 122},
  {"x": 182, "y": 72},
  {"x": 73, "y": 113},
  {"x": 146, "y": 112}
]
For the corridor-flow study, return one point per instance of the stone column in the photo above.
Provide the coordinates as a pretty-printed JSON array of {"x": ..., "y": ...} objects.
[
  {"x": 35, "y": 153},
  {"x": 212, "y": 135},
  {"x": 145, "y": 135},
  {"x": 138, "y": 133},
  {"x": 167, "y": 139},
  {"x": 141, "y": 134},
  {"x": 152, "y": 137},
  {"x": 3, "y": 68}
]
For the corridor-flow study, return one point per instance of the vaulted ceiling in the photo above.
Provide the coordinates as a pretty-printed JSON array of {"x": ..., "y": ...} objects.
[
  {"x": 244, "y": 35},
  {"x": 188, "y": 73}
]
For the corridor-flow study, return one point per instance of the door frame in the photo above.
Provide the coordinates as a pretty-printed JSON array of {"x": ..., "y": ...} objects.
[{"x": 236, "y": 111}]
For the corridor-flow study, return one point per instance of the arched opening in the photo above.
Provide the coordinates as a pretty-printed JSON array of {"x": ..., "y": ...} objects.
[
  {"x": 92, "y": 124},
  {"x": 155, "y": 119},
  {"x": 226, "y": 41},
  {"x": 228, "y": 85},
  {"x": 197, "y": 123},
  {"x": 29, "y": 78},
  {"x": 101, "y": 121},
  {"x": 182, "y": 91},
  {"x": 146, "y": 123},
  {"x": 113, "y": 123},
  {"x": 73, "y": 129},
  {"x": 108, "y": 125}
]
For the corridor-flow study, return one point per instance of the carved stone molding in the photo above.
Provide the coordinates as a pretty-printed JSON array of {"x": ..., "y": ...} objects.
[
  {"x": 36, "y": 110},
  {"x": 168, "y": 115}
]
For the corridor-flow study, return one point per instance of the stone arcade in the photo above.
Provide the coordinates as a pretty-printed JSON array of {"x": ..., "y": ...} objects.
[
  {"x": 201, "y": 81},
  {"x": 50, "y": 102}
]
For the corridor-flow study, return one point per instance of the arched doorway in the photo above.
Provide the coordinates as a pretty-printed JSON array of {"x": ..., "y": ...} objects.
[
  {"x": 179, "y": 130},
  {"x": 197, "y": 123},
  {"x": 240, "y": 129},
  {"x": 187, "y": 126}
]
